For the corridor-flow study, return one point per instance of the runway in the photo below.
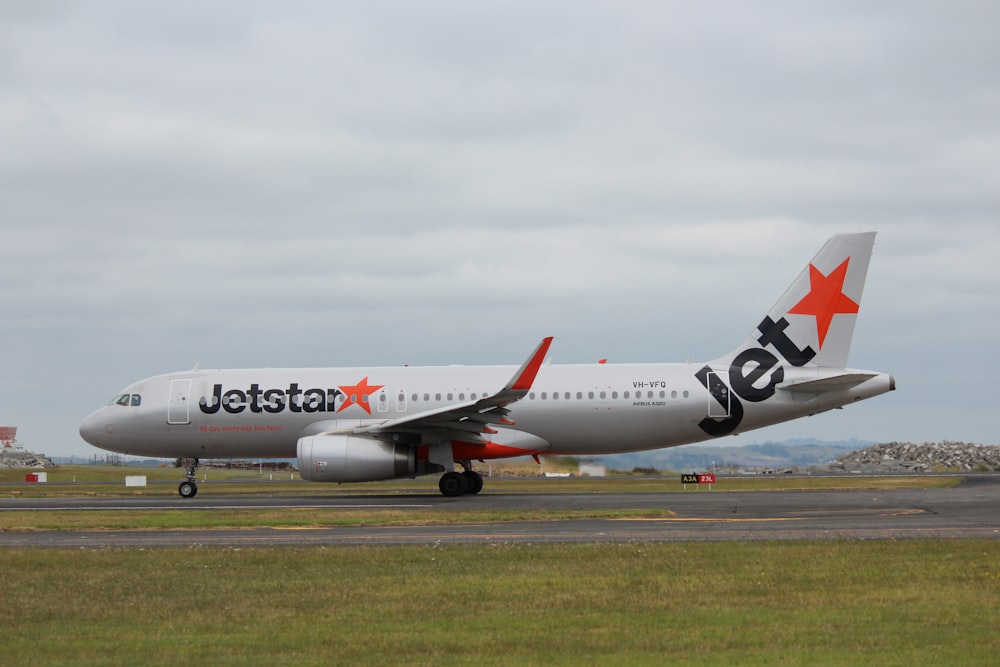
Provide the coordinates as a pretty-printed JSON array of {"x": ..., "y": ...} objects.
[{"x": 971, "y": 509}]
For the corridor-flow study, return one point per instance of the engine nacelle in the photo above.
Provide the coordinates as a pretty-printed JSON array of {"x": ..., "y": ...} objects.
[{"x": 351, "y": 458}]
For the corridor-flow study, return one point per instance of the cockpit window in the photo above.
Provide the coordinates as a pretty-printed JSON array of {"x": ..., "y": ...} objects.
[{"x": 134, "y": 400}]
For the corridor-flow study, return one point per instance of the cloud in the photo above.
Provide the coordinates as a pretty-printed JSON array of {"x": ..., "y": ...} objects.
[{"x": 304, "y": 184}]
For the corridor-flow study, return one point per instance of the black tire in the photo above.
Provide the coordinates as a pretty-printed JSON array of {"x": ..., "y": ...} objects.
[
  {"x": 452, "y": 484},
  {"x": 187, "y": 489},
  {"x": 473, "y": 481}
]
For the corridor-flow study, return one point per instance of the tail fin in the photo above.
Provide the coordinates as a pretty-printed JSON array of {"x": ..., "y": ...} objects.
[{"x": 813, "y": 322}]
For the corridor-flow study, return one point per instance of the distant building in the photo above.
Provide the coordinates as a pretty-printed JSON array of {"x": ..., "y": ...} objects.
[{"x": 593, "y": 470}]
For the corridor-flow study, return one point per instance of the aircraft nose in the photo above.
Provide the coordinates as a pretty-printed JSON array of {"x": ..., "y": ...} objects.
[{"x": 92, "y": 427}]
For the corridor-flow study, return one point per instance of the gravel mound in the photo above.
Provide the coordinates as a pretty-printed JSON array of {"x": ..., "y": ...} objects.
[
  {"x": 925, "y": 457},
  {"x": 11, "y": 457}
]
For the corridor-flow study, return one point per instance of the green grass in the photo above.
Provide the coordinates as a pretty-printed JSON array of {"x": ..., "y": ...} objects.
[
  {"x": 109, "y": 481},
  {"x": 914, "y": 602},
  {"x": 105, "y": 474},
  {"x": 156, "y": 519}
]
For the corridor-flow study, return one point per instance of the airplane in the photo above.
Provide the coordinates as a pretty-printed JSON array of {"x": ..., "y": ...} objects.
[{"x": 366, "y": 424}]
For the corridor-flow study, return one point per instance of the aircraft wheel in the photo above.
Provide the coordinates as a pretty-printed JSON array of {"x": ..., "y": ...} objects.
[
  {"x": 474, "y": 481},
  {"x": 452, "y": 484},
  {"x": 187, "y": 489}
]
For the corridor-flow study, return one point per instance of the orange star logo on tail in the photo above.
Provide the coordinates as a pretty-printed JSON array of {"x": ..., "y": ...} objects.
[
  {"x": 358, "y": 394},
  {"x": 826, "y": 298}
]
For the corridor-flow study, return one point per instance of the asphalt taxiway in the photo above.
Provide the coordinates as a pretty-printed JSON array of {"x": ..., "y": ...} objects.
[{"x": 970, "y": 509}]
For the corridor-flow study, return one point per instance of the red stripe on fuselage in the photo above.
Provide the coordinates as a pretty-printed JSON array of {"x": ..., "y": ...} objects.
[{"x": 465, "y": 451}]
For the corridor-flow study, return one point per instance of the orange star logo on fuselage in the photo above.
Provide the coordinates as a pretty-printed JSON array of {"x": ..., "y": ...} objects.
[{"x": 358, "y": 394}]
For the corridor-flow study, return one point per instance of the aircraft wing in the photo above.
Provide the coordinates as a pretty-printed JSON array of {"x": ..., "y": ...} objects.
[{"x": 467, "y": 421}]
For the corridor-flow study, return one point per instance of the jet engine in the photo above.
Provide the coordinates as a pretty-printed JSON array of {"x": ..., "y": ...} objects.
[{"x": 351, "y": 458}]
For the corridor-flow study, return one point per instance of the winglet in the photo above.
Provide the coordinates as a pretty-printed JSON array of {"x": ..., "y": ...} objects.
[{"x": 525, "y": 376}]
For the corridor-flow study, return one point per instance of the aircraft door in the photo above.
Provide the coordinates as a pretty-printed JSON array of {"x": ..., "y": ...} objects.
[
  {"x": 719, "y": 399},
  {"x": 178, "y": 410}
]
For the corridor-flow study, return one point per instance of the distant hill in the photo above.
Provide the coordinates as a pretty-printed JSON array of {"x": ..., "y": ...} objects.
[{"x": 767, "y": 455}]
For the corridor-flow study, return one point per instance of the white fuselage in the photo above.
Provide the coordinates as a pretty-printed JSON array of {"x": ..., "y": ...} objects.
[{"x": 571, "y": 409}]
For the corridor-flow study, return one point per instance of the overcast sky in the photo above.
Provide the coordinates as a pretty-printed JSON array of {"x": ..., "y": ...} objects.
[{"x": 248, "y": 184}]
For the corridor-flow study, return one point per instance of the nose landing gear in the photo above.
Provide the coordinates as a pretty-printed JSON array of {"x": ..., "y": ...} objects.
[{"x": 189, "y": 488}]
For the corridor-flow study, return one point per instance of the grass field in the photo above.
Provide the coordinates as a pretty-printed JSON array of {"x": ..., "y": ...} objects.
[
  {"x": 917, "y": 602},
  {"x": 71, "y": 481},
  {"x": 156, "y": 519},
  {"x": 911, "y": 602}
]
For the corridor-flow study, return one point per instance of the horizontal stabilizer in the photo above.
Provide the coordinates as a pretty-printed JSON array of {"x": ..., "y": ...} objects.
[{"x": 835, "y": 383}]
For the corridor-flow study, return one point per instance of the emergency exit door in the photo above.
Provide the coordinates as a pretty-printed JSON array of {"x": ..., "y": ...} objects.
[{"x": 178, "y": 406}]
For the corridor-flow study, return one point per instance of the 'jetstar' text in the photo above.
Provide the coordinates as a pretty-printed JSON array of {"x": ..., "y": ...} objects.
[{"x": 271, "y": 401}]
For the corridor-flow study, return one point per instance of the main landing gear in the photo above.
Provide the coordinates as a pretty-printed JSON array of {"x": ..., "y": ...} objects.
[
  {"x": 188, "y": 489},
  {"x": 454, "y": 484}
]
